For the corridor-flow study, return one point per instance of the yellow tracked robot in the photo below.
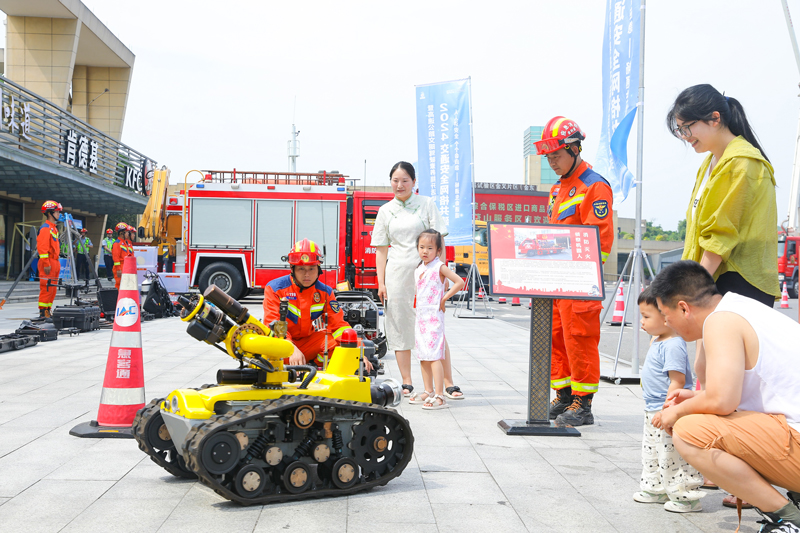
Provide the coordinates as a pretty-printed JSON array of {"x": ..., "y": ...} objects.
[{"x": 268, "y": 432}]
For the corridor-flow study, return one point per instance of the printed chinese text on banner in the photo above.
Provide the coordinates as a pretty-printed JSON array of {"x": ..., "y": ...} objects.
[
  {"x": 443, "y": 168},
  {"x": 620, "y": 93}
]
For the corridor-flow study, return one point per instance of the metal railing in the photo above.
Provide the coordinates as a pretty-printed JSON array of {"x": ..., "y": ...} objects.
[
  {"x": 36, "y": 126},
  {"x": 273, "y": 178}
]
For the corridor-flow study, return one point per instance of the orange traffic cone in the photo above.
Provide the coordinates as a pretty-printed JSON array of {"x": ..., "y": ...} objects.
[
  {"x": 501, "y": 300},
  {"x": 123, "y": 385},
  {"x": 515, "y": 302},
  {"x": 530, "y": 302},
  {"x": 784, "y": 297},
  {"x": 619, "y": 309},
  {"x": 480, "y": 294}
]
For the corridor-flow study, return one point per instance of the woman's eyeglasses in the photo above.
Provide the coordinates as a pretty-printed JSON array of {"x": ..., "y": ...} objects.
[{"x": 685, "y": 130}]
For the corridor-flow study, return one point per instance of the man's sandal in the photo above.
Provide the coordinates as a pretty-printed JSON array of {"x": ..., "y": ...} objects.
[
  {"x": 449, "y": 392},
  {"x": 407, "y": 389},
  {"x": 417, "y": 399},
  {"x": 430, "y": 403}
]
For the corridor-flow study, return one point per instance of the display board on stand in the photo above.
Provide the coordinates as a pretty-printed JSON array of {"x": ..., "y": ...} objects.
[{"x": 543, "y": 262}]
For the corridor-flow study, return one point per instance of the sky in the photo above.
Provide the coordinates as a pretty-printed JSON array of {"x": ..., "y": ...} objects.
[{"x": 215, "y": 83}]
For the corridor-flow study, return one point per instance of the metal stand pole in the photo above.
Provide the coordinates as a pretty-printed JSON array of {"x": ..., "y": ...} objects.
[
  {"x": 474, "y": 280},
  {"x": 538, "y": 420},
  {"x": 637, "y": 262},
  {"x": 473, "y": 277}
]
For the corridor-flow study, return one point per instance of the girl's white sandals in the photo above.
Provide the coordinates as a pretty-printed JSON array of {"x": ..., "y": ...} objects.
[
  {"x": 418, "y": 399},
  {"x": 430, "y": 403}
]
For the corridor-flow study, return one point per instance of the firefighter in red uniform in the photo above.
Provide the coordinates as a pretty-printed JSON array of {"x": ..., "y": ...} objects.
[
  {"x": 310, "y": 303},
  {"x": 47, "y": 246},
  {"x": 119, "y": 252},
  {"x": 580, "y": 197}
]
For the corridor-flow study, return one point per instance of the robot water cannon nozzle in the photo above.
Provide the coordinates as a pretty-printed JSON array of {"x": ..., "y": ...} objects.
[
  {"x": 207, "y": 322},
  {"x": 228, "y": 305}
]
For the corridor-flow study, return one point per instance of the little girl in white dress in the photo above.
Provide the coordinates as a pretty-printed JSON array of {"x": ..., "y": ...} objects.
[{"x": 429, "y": 325}]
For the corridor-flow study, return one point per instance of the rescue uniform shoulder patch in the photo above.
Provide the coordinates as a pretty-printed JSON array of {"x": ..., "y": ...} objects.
[
  {"x": 572, "y": 192},
  {"x": 335, "y": 307},
  {"x": 600, "y": 208}
]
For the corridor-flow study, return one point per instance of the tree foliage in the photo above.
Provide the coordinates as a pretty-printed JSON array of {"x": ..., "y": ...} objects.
[{"x": 654, "y": 232}]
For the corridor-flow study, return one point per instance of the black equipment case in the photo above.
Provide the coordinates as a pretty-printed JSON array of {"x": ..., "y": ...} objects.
[
  {"x": 17, "y": 342},
  {"x": 108, "y": 302},
  {"x": 45, "y": 331},
  {"x": 73, "y": 316}
]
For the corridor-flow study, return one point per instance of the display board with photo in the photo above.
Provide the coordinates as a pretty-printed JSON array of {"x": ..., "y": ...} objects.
[{"x": 545, "y": 261}]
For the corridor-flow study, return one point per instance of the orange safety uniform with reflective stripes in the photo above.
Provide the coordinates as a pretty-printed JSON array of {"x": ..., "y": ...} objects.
[
  {"x": 306, "y": 326},
  {"x": 584, "y": 198},
  {"x": 118, "y": 254},
  {"x": 47, "y": 247}
]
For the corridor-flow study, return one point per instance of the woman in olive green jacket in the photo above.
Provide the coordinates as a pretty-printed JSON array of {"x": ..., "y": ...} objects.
[{"x": 732, "y": 219}]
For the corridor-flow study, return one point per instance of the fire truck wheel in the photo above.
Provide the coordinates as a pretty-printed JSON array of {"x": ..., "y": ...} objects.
[
  {"x": 794, "y": 287},
  {"x": 225, "y": 276}
]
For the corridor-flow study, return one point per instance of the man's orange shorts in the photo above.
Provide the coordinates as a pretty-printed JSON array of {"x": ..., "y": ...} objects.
[{"x": 765, "y": 442}]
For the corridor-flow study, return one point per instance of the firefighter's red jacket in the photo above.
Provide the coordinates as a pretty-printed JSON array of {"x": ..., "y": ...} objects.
[
  {"x": 585, "y": 199},
  {"x": 47, "y": 243},
  {"x": 306, "y": 307}
]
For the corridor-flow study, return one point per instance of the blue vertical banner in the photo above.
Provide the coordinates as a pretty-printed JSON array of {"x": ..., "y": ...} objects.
[
  {"x": 620, "y": 93},
  {"x": 444, "y": 145}
]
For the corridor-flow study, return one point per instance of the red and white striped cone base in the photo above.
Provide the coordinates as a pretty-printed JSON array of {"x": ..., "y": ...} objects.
[
  {"x": 784, "y": 297},
  {"x": 123, "y": 385},
  {"x": 619, "y": 309}
]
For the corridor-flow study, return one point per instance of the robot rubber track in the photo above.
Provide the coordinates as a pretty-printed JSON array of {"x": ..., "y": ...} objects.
[
  {"x": 372, "y": 425},
  {"x": 162, "y": 453}
]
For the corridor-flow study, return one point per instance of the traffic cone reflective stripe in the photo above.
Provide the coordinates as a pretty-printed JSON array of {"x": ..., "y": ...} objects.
[
  {"x": 123, "y": 385},
  {"x": 619, "y": 308},
  {"x": 784, "y": 297}
]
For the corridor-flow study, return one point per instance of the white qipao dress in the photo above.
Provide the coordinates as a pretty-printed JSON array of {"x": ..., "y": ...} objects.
[
  {"x": 429, "y": 331},
  {"x": 397, "y": 225}
]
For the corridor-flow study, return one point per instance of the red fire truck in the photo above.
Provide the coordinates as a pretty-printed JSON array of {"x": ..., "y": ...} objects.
[
  {"x": 241, "y": 224},
  {"x": 787, "y": 263},
  {"x": 539, "y": 246}
]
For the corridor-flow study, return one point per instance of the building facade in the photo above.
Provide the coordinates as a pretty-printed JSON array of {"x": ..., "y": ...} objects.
[{"x": 63, "y": 96}]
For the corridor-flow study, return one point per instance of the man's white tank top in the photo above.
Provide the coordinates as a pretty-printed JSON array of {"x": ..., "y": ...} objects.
[{"x": 773, "y": 385}]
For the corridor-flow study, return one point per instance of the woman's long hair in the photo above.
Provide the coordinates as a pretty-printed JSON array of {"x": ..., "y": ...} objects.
[{"x": 699, "y": 103}]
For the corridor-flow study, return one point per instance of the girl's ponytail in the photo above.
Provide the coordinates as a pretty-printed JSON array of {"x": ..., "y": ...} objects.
[{"x": 738, "y": 124}]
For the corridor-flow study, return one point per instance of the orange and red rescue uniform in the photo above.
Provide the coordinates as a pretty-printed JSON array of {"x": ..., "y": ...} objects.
[
  {"x": 47, "y": 246},
  {"x": 584, "y": 198},
  {"x": 305, "y": 320}
]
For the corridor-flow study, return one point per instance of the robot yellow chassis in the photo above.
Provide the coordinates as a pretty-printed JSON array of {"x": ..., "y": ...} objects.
[{"x": 268, "y": 432}]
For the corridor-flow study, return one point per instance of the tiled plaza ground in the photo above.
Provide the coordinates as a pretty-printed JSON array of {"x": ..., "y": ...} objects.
[{"x": 466, "y": 475}]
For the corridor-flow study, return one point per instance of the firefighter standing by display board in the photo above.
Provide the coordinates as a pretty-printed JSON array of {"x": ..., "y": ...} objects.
[
  {"x": 580, "y": 197},
  {"x": 47, "y": 246}
]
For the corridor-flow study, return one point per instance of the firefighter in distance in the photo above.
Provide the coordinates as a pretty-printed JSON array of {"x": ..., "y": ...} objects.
[
  {"x": 47, "y": 246},
  {"x": 119, "y": 251},
  {"x": 312, "y": 306},
  {"x": 583, "y": 197}
]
